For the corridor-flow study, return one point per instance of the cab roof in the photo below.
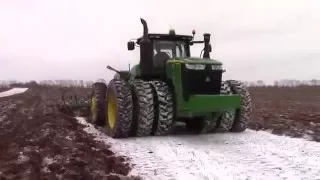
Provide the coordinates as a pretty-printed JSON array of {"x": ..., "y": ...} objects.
[{"x": 168, "y": 37}]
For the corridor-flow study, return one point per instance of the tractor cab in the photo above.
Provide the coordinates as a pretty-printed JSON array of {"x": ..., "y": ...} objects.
[
  {"x": 167, "y": 46},
  {"x": 157, "y": 49}
]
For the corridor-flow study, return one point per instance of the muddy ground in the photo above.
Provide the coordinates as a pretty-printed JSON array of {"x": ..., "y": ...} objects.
[
  {"x": 290, "y": 111},
  {"x": 37, "y": 141},
  {"x": 41, "y": 140},
  {"x": 2, "y": 89}
]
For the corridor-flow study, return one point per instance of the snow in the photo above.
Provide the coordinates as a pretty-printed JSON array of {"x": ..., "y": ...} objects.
[
  {"x": 248, "y": 155},
  {"x": 22, "y": 158},
  {"x": 13, "y": 91}
]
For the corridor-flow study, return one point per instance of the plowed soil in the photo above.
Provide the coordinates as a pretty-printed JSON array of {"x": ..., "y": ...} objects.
[
  {"x": 287, "y": 111},
  {"x": 4, "y": 89},
  {"x": 37, "y": 141}
]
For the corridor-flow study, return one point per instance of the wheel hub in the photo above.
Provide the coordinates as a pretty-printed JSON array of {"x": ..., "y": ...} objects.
[
  {"x": 111, "y": 110},
  {"x": 94, "y": 108}
]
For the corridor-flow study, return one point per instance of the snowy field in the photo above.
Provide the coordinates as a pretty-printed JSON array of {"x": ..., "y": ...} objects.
[
  {"x": 13, "y": 91},
  {"x": 248, "y": 155}
]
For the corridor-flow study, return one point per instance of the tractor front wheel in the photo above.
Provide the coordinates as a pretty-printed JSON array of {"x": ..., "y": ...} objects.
[
  {"x": 243, "y": 116},
  {"x": 225, "y": 123},
  {"x": 236, "y": 120}
]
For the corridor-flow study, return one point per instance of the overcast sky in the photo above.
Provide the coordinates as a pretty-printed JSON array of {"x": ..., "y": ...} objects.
[{"x": 76, "y": 39}]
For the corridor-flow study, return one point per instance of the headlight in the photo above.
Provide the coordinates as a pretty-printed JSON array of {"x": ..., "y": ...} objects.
[
  {"x": 196, "y": 66},
  {"x": 216, "y": 67}
]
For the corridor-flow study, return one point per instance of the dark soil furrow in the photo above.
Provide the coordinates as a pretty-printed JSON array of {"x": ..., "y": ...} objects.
[{"x": 40, "y": 142}]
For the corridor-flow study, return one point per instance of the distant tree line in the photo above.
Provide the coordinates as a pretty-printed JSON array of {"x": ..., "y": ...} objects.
[
  {"x": 284, "y": 83},
  {"x": 61, "y": 83},
  {"x": 82, "y": 83}
]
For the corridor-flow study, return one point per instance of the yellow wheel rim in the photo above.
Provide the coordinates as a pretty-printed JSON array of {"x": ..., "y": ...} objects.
[
  {"x": 94, "y": 108},
  {"x": 111, "y": 110}
]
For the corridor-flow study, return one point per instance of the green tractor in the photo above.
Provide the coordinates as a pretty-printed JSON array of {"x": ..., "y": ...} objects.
[{"x": 167, "y": 86}]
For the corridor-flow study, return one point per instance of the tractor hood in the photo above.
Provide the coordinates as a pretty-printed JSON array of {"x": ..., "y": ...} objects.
[{"x": 193, "y": 60}]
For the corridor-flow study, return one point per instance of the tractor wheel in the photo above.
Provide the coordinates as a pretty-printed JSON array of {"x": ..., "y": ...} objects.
[
  {"x": 243, "y": 116},
  {"x": 98, "y": 105},
  {"x": 119, "y": 109},
  {"x": 143, "y": 108},
  {"x": 225, "y": 123},
  {"x": 232, "y": 120},
  {"x": 164, "y": 109}
]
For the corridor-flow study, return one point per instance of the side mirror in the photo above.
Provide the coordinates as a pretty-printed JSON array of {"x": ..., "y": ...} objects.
[
  {"x": 210, "y": 48},
  {"x": 131, "y": 45}
]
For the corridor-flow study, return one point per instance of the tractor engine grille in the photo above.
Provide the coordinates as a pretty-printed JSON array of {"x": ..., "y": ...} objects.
[{"x": 205, "y": 81}]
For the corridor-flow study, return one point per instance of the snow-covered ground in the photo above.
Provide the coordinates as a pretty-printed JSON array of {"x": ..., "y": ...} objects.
[
  {"x": 13, "y": 91},
  {"x": 248, "y": 155}
]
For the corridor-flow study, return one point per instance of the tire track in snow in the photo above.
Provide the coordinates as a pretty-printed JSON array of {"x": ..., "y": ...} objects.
[{"x": 248, "y": 155}]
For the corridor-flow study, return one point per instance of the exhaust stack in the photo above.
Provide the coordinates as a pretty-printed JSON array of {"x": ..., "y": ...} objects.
[
  {"x": 146, "y": 55},
  {"x": 207, "y": 47}
]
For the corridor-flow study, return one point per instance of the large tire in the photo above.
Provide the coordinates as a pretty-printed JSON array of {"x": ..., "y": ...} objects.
[
  {"x": 237, "y": 120},
  {"x": 119, "y": 109},
  {"x": 243, "y": 116},
  {"x": 164, "y": 109},
  {"x": 225, "y": 123},
  {"x": 98, "y": 104},
  {"x": 143, "y": 109}
]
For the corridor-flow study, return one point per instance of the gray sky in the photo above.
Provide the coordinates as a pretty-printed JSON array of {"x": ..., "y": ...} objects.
[{"x": 76, "y": 39}]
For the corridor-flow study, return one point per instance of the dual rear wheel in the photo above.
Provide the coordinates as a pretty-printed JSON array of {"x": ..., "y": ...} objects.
[{"x": 136, "y": 108}]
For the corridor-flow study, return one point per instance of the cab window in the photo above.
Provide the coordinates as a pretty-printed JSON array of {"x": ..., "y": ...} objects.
[{"x": 164, "y": 50}]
